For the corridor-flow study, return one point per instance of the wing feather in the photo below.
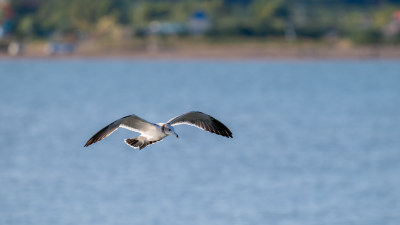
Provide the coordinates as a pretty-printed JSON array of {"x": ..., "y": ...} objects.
[
  {"x": 202, "y": 121},
  {"x": 132, "y": 122}
]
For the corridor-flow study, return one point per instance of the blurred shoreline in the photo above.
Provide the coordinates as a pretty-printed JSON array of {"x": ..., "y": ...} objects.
[
  {"x": 215, "y": 51},
  {"x": 239, "y": 29}
]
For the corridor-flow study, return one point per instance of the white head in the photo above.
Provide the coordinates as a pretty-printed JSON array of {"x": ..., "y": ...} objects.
[{"x": 168, "y": 129}]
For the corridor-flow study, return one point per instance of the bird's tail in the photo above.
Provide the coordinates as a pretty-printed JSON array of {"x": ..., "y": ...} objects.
[{"x": 138, "y": 142}]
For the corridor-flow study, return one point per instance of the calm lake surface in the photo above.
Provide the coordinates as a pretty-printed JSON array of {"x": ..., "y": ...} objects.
[{"x": 315, "y": 143}]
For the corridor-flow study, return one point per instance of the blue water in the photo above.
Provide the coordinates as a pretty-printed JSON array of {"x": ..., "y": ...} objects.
[{"x": 315, "y": 142}]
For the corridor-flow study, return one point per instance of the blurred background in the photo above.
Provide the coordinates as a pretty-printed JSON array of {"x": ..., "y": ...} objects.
[
  {"x": 309, "y": 88},
  {"x": 263, "y": 27}
]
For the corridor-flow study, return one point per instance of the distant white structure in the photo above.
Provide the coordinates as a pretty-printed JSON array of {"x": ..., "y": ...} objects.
[{"x": 14, "y": 49}]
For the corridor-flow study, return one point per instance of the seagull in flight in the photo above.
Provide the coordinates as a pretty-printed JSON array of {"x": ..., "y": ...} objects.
[{"x": 154, "y": 132}]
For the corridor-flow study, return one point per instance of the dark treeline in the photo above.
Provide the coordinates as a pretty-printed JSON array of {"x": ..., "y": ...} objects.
[{"x": 363, "y": 21}]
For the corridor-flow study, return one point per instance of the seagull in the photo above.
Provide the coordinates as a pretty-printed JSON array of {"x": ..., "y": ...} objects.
[{"x": 155, "y": 132}]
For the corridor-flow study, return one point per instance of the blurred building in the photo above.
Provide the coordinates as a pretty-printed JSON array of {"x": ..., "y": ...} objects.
[
  {"x": 198, "y": 23},
  {"x": 393, "y": 27},
  {"x": 167, "y": 28},
  {"x": 6, "y": 16}
]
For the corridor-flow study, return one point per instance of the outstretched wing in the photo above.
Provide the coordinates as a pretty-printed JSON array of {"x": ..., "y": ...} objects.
[
  {"x": 202, "y": 121},
  {"x": 132, "y": 122}
]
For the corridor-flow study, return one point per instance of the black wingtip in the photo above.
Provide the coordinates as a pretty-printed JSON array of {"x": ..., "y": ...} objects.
[
  {"x": 221, "y": 129},
  {"x": 90, "y": 141},
  {"x": 87, "y": 144},
  {"x": 229, "y": 135}
]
